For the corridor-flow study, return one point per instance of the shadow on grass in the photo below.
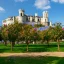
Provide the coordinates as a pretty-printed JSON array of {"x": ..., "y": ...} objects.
[{"x": 32, "y": 60}]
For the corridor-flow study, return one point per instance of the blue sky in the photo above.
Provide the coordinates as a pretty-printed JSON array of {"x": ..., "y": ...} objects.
[{"x": 54, "y": 7}]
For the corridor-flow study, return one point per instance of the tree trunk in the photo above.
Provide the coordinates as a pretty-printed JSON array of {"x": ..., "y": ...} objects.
[
  {"x": 27, "y": 47},
  {"x": 5, "y": 43},
  {"x": 17, "y": 42},
  {"x": 11, "y": 46},
  {"x": 58, "y": 45},
  {"x": 48, "y": 43}
]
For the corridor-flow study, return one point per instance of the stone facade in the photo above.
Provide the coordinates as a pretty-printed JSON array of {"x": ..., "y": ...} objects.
[{"x": 44, "y": 20}]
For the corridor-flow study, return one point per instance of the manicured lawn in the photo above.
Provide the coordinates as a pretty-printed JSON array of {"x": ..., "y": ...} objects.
[
  {"x": 32, "y": 48},
  {"x": 32, "y": 60}
]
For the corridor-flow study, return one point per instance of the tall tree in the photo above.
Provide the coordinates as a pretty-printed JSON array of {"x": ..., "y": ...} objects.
[
  {"x": 27, "y": 31},
  {"x": 13, "y": 32},
  {"x": 46, "y": 36},
  {"x": 58, "y": 34},
  {"x": 4, "y": 35}
]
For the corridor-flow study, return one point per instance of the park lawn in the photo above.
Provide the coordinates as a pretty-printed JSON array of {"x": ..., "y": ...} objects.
[
  {"x": 18, "y": 48},
  {"x": 32, "y": 60}
]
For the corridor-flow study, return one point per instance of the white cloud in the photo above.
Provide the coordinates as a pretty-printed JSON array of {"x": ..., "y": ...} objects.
[
  {"x": 42, "y": 4},
  {"x": 47, "y": 7},
  {"x": 2, "y": 9},
  {"x": 19, "y": 0},
  {"x": 59, "y": 1}
]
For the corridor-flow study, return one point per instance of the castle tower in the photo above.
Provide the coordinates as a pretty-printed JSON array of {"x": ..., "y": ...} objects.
[
  {"x": 36, "y": 18},
  {"x": 50, "y": 23},
  {"x": 21, "y": 16},
  {"x": 45, "y": 14},
  {"x": 21, "y": 12},
  {"x": 45, "y": 20}
]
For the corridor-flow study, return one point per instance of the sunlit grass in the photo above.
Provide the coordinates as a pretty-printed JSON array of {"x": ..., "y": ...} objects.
[{"x": 32, "y": 48}]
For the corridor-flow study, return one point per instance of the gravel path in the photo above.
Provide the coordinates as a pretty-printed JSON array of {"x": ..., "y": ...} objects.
[{"x": 57, "y": 54}]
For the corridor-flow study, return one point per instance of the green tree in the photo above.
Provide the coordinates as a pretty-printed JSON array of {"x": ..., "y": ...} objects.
[
  {"x": 1, "y": 35},
  {"x": 57, "y": 35},
  {"x": 38, "y": 25},
  {"x": 4, "y": 35},
  {"x": 13, "y": 32},
  {"x": 35, "y": 35},
  {"x": 27, "y": 31},
  {"x": 46, "y": 36}
]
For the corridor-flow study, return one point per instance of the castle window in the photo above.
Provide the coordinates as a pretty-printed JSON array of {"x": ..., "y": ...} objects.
[
  {"x": 45, "y": 20},
  {"x": 21, "y": 14},
  {"x": 26, "y": 19},
  {"x": 38, "y": 19},
  {"x": 29, "y": 18},
  {"x": 33, "y": 20}
]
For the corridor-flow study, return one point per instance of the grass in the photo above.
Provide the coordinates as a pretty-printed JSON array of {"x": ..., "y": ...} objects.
[
  {"x": 32, "y": 48},
  {"x": 32, "y": 60}
]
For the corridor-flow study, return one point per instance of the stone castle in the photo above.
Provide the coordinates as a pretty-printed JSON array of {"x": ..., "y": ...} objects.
[{"x": 23, "y": 18}]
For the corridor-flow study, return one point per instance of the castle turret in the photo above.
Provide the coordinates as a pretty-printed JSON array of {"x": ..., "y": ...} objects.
[
  {"x": 44, "y": 19},
  {"x": 36, "y": 18},
  {"x": 50, "y": 23},
  {"x": 21, "y": 12},
  {"x": 21, "y": 16},
  {"x": 45, "y": 14}
]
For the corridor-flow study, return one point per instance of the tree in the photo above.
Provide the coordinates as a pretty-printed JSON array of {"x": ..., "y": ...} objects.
[
  {"x": 46, "y": 35},
  {"x": 57, "y": 34},
  {"x": 34, "y": 34},
  {"x": 1, "y": 35},
  {"x": 27, "y": 31},
  {"x": 42, "y": 35},
  {"x": 5, "y": 35},
  {"x": 13, "y": 32},
  {"x": 25, "y": 34},
  {"x": 62, "y": 34},
  {"x": 38, "y": 25}
]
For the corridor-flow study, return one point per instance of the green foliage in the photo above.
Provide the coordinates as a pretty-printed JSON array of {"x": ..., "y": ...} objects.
[
  {"x": 4, "y": 33},
  {"x": 24, "y": 32},
  {"x": 38, "y": 25},
  {"x": 13, "y": 31}
]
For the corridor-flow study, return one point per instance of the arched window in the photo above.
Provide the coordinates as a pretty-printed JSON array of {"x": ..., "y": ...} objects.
[
  {"x": 45, "y": 20},
  {"x": 21, "y": 14}
]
